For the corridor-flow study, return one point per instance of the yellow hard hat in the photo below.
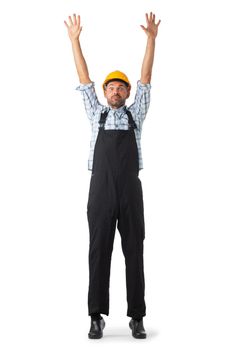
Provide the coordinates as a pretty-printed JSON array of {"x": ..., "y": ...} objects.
[{"x": 116, "y": 75}]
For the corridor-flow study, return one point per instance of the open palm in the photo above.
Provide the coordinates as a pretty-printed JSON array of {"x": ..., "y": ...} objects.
[
  {"x": 152, "y": 28},
  {"x": 74, "y": 28}
]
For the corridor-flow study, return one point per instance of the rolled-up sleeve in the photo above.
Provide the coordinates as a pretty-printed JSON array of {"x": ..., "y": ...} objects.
[
  {"x": 90, "y": 99},
  {"x": 141, "y": 101}
]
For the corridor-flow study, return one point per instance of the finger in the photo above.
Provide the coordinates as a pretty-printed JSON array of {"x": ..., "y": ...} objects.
[
  {"x": 158, "y": 23},
  {"x": 153, "y": 19},
  {"x": 75, "y": 20},
  {"x": 78, "y": 17},
  {"x": 143, "y": 28},
  {"x": 66, "y": 25},
  {"x": 70, "y": 20},
  {"x": 147, "y": 18},
  {"x": 151, "y": 15}
]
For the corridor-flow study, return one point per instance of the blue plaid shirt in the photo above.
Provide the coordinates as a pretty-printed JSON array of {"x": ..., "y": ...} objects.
[{"x": 117, "y": 119}]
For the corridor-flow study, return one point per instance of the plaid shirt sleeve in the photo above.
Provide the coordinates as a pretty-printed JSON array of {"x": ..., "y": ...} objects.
[
  {"x": 141, "y": 102},
  {"x": 90, "y": 99}
]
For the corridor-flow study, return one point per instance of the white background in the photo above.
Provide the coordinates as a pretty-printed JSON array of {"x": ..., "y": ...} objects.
[{"x": 187, "y": 177}]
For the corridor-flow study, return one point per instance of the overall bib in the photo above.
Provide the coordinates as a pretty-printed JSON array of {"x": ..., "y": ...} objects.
[{"x": 115, "y": 196}]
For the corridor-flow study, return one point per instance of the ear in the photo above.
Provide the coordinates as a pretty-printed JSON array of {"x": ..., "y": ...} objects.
[{"x": 128, "y": 92}]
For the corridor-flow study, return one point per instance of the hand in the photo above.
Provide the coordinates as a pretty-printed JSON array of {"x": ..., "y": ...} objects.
[
  {"x": 152, "y": 27},
  {"x": 74, "y": 29}
]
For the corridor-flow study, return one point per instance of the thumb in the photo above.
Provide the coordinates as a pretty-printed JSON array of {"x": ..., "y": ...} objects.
[{"x": 143, "y": 27}]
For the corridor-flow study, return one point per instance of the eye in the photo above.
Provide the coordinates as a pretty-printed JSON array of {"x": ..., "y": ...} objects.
[{"x": 122, "y": 88}]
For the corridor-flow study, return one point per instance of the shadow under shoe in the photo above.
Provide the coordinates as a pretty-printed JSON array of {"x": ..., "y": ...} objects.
[
  {"x": 138, "y": 330},
  {"x": 96, "y": 330}
]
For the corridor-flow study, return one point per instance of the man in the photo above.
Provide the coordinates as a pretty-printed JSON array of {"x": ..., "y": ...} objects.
[{"x": 115, "y": 194}]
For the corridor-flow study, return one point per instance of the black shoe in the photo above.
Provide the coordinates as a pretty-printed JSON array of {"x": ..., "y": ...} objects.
[
  {"x": 96, "y": 330},
  {"x": 138, "y": 330}
]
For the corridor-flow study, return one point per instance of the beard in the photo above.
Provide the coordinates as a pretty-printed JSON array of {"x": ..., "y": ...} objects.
[{"x": 116, "y": 101}]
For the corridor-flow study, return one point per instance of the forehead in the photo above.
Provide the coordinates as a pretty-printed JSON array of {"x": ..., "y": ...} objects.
[{"x": 116, "y": 84}]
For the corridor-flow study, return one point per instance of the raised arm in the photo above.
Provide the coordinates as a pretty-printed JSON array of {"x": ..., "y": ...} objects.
[
  {"x": 74, "y": 29},
  {"x": 151, "y": 31}
]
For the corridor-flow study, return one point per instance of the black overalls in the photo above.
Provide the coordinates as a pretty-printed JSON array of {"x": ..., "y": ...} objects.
[{"x": 115, "y": 195}]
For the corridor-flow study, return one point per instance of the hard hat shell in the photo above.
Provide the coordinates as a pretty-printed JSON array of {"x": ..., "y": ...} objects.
[{"x": 116, "y": 75}]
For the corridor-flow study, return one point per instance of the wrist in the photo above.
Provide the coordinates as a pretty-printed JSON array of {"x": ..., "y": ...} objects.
[
  {"x": 151, "y": 38},
  {"x": 74, "y": 40}
]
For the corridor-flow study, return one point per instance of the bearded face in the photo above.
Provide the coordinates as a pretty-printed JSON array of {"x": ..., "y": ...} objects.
[{"x": 116, "y": 94}]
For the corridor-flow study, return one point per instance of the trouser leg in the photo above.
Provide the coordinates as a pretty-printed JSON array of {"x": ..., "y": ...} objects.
[
  {"x": 132, "y": 231},
  {"x": 102, "y": 224}
]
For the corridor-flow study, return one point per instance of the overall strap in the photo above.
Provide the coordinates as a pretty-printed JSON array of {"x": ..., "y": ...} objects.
[
  {"x": 103, "y": 117},
  {"x": 132, "y": 123}
]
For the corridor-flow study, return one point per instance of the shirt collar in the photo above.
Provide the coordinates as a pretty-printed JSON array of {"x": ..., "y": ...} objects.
[{"x": 118, "y": 110}]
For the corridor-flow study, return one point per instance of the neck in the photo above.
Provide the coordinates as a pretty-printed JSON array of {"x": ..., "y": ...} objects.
[{"x": 116, "y": 107}]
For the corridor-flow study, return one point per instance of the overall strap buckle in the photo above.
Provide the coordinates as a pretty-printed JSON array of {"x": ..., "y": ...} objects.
[
  {"x": 103, "y": 118},
  {"x": 132, "y": 124}
]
